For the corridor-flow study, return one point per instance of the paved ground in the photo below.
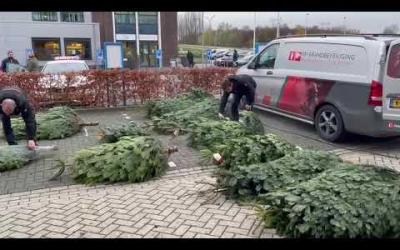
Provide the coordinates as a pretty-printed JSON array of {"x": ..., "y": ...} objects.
[
  {"x": 170, "y": 207},
  {"x": 305, "y": 136},
  {"x": 37, "y": 174},
  {"x": 180, "y": 204}
]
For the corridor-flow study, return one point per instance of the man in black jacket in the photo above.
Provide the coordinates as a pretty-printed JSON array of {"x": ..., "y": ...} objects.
[
  {"x": 9, "y": 60},
  {"x": 14, "y": 102},
  {"x": 239, "y": 85}
]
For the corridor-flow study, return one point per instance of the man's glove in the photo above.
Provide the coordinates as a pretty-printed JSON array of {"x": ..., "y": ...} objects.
[
  {"x": 248, "y": 107},
  {"x": 31, "y": 145}
]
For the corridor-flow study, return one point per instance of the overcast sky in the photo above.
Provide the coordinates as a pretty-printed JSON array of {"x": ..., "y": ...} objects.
[{"x": 366, "y": 22}]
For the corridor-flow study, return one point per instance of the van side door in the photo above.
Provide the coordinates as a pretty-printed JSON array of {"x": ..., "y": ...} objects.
[
  {"x": 391, "y": 86},
  {"x": 269, "y": 80}
]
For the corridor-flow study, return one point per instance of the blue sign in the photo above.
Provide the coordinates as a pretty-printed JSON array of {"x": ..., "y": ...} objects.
[
  {"x": 159, "y": 54},
  {"x": 159, "y": 57},
  {"x": 259, "y": 47},
  {"x": 99, "y": 54}
]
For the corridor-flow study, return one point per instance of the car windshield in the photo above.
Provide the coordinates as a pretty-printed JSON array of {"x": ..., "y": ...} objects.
[{"x": 57, "y": 68}]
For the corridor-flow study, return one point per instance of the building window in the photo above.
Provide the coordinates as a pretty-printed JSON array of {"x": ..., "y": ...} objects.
[
  {"x": 46, "y": 48},
  {"x": 148, "y": 23},
  {"x": 78, "y": 47},
  {"x": 125, "y": 22},
  {"x": 74, "y": 17},
  {"x": 45, "y": 16}
]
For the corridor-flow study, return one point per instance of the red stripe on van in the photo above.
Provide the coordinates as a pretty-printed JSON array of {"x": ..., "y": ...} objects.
[
  {"x": 301, "y": 95},
  {"x": 267, "y": 100}
]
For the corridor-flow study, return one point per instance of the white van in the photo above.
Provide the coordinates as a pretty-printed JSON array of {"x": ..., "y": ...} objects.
[{"x": 337, "y": 83}]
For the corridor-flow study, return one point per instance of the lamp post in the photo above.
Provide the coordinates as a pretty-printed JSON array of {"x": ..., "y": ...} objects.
[
  {"x": 305, "y": 28},
  {"x": 344, "y": 25},
  {"x": 202, "y": 40},
  {"x": 209, "y": 19},
  {"x": 254, "y": 33},
  {"x": 278, "y": 27}
]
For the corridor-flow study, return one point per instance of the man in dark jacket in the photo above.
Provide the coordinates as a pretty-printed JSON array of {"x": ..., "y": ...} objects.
[
  {"x": 14, "y": 102},
  {"x": 9, "y": 60},
  {"x": 33, "y": 64},
  {"x": 239, "y": 85},
  {"x": 189, "y": 57},
  {"x": 235, "y": 57}
]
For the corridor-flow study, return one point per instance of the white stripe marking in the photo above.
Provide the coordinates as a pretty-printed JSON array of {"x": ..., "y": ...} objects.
[{"x": 86, "y": 133}]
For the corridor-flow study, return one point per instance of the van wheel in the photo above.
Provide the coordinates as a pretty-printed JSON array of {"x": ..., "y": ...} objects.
[{"x": 329, "y": 124}]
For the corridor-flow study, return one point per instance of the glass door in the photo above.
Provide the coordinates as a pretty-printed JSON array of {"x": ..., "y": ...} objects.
[{"x": 148, "y": 51}]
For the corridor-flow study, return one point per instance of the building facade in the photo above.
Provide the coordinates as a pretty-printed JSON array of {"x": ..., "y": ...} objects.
[
  {"x": 141, "y": 34},
  {"x": 49, "y": 34}
]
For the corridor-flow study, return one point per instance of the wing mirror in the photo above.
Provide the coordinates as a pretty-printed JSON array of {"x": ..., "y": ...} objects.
[{"x": 252, "y": 65}]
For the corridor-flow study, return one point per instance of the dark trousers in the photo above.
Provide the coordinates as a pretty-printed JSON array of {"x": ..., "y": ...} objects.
[
  {"x": 235, "y": 106},
  {"x": 8, "y": 131}
]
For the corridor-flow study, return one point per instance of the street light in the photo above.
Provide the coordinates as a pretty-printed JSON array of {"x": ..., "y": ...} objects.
[
  {"x": 344, "y": 25},
  {"x": 209, "y": 19},
  {"x": 278, "y": 27},
  {"x": 305, "y": 29},
  {"x": 254, "y": 33},
  {"x": 202, "y": 40},
  {"x": 209, "y": 24}
]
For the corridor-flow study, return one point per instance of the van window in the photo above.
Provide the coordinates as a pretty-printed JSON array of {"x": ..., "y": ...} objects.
[
  {"x": 393, "y": 69},
  {"x": 267, "y": 57}
]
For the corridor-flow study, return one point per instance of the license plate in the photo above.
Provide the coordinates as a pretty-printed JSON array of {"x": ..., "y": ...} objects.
[{"x": 395, "y": 103}]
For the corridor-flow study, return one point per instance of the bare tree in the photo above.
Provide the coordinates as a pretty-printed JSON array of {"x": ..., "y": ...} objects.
[
  {"x": 190, "y": 27},
  {"x": 391, "y": 29}
]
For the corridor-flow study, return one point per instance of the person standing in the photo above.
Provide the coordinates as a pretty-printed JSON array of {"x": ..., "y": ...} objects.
[
  {"x": 9, "y": 60},
  {"x": 235, "y": 57},
  {"x": 189, "y": 57},
  {"x": 33, "y": 63}
]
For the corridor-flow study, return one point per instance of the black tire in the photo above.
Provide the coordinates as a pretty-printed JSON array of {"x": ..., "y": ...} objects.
[{"x": 329, "y": 124}]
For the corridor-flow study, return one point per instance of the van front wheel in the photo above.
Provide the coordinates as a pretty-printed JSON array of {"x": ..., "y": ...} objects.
[{"x": 329, "y": 124}]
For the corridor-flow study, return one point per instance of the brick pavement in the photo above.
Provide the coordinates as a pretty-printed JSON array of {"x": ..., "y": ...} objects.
[{"x": 169, "y": 207}]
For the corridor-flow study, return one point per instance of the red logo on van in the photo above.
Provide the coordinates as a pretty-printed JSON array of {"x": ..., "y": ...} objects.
[{"x": 294, "y": 56}]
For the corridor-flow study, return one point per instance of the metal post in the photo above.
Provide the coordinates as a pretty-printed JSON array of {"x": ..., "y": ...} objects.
[
  {"x": 254, "y": 32},
  {"x": 159, "y": 37},
  {"x": 113, "y": 26},
  {"x": 137, "y": 39},
  {"x": 344, "y": 25},
  {"x": 305, "y": 28},
  {"x": 278, "y": 27},
  {"x": 202, "y": 40}
]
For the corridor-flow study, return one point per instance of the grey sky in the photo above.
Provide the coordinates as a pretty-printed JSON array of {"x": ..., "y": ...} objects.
[{"x": 366, "y": 22}]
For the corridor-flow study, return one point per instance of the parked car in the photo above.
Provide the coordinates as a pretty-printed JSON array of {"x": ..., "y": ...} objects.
[
  {"x": 226, "y": 60},
  {"x": 55, "y": 73},
  {"x": 337, "y": 83},
  {"x": 244, "y": 60}
]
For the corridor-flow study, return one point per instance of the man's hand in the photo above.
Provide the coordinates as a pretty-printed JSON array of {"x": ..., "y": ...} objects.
[
  {"x": 247, "y": 107},
  {"x": 31, "y": 145},
  {"x": 221, "y": 116}
]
